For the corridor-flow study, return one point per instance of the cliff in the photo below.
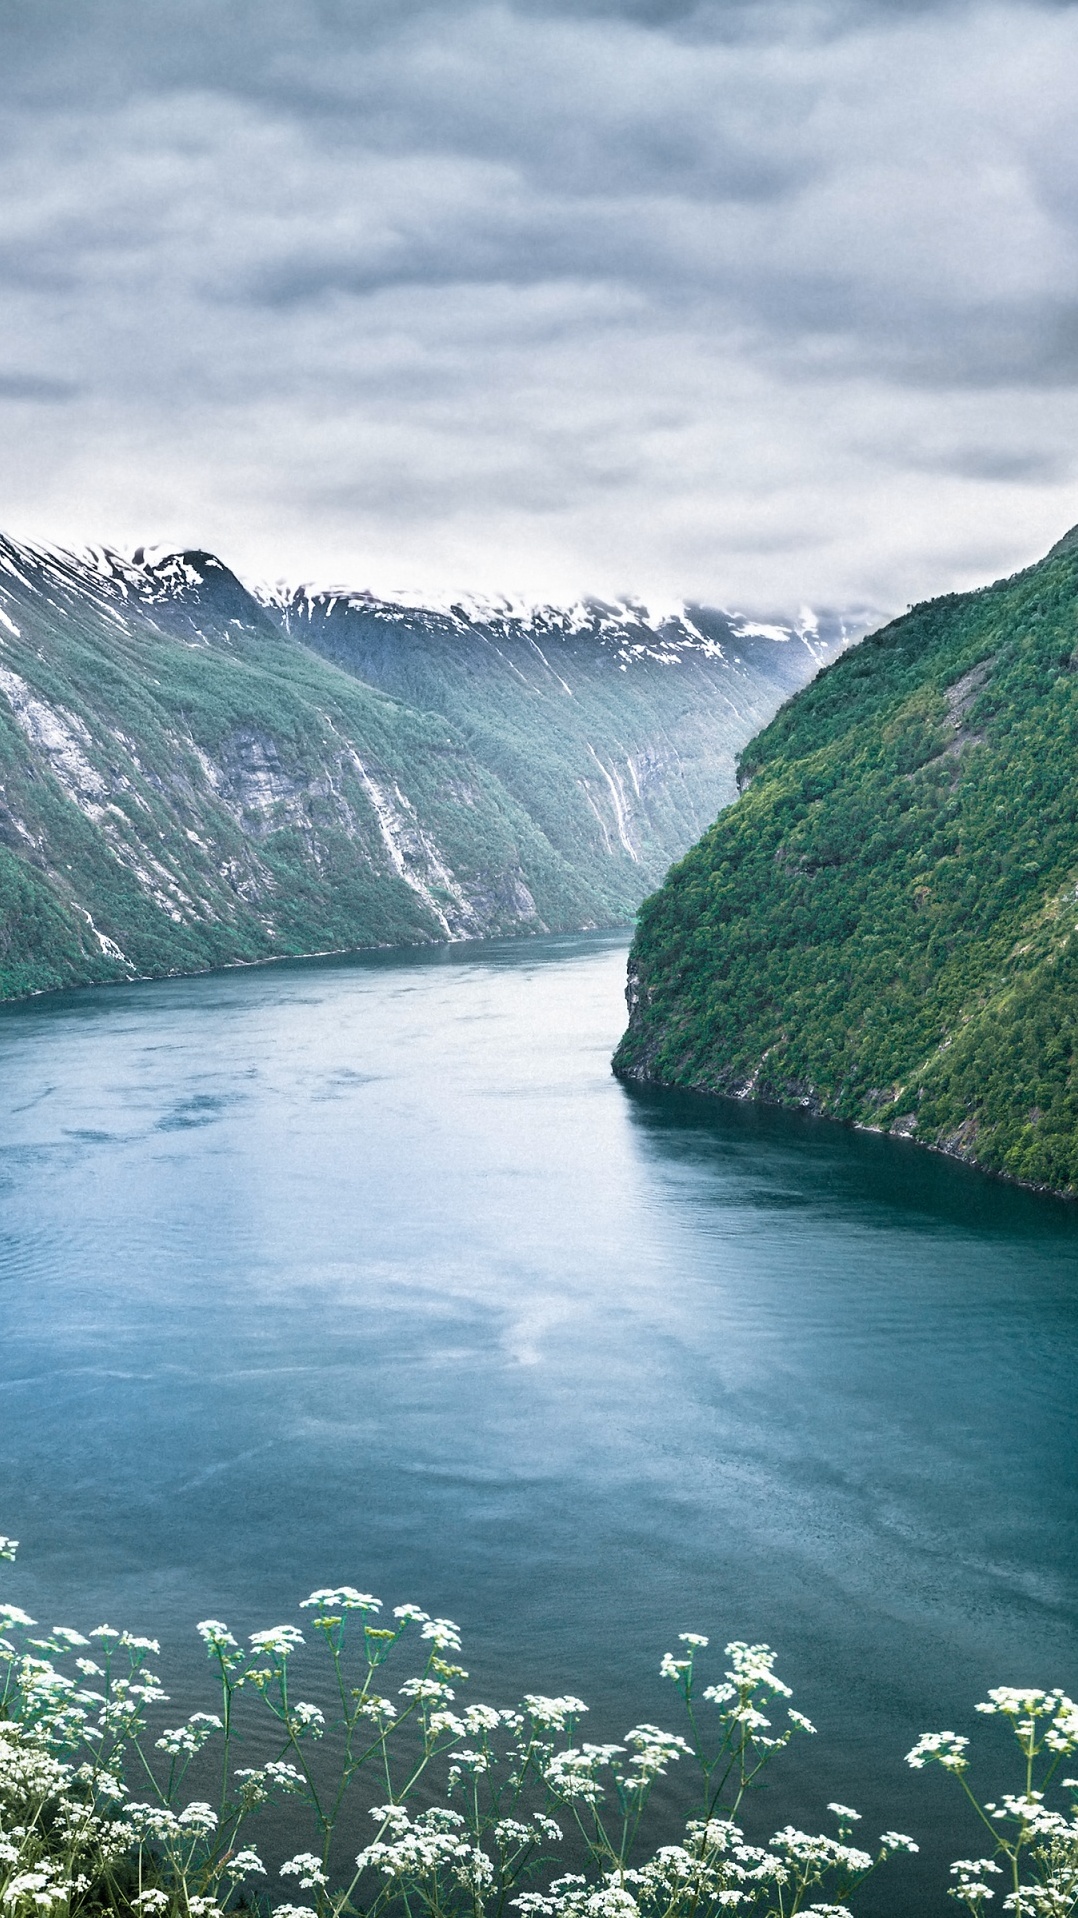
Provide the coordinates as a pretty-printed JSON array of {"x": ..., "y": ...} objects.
[{"x": 884, "y": 927}]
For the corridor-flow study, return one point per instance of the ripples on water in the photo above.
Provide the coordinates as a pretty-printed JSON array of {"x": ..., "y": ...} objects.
[{"x": 369, "y": 1272}]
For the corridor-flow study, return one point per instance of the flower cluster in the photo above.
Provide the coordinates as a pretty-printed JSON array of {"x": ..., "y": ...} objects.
[
  {"x": 472, "y": 1803},
  {"x": 1035, "y": 1843}
]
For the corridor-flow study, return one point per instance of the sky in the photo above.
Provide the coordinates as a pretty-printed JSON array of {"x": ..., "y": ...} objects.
[{"x": 755, "y": 302}]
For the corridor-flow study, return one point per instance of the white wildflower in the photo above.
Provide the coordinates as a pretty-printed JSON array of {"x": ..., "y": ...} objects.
[
  {"x": 572, "y": 1773},
  {"x": 393, "y": 1818},
  {"x": 280, "y": 1641},
  {"x": 752, "y": 1719},
  {"x": 198, "y": 1816},
  {"x": 547, "y": 1828},
  {"x": 342, "y": 1598},
  {"x": 444, "y": 1633},
  {"x": 244, "y": 1861},
  {"x": 306, "y": 1720},
  {"x": 971, "y": 1872},
  {"x": 509, "y": 1833},
  {"x": 752, "y": 1665},
  {"x": 214, "y": 1635},
  {"x": 1062, "y": 1734},
  {"x": 377, "y": 1708},
  {"x": 815, "y": 1849},
  {"x": 427, "y": 1690},
  {"x": 481, "y": 1718},
  {"x": 308, "y": 1869},
  {"x": 280, "y": 1772},
  {"x": 418, "y": 1850},
  {"x": 552, "y": 1714},
  {"x": 946, "y": 1748},
  {"x": 191, "y": 1737},
  {"x": 472, "y": 1867},
  {"x": 654, "y": 1750},
  {"x": 42, "y": 1888},
  {"x": 154, "y": 1823},
  {"x": 1012, "y": 1700}
]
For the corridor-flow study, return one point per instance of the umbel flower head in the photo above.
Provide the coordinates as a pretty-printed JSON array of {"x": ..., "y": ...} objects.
[{"x": 467, "y": 1793}]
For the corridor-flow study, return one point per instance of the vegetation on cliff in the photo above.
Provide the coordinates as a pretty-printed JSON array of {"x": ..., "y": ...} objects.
[{"x": 884, "y": 927}]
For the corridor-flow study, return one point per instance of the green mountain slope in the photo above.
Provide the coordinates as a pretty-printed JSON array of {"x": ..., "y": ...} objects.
[
  {"x": 185, "y": 782},
  {"x": 884, "y": 927}
]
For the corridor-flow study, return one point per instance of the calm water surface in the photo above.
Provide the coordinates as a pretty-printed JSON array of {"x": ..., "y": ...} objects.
[{"x": 368, "y": 1271}]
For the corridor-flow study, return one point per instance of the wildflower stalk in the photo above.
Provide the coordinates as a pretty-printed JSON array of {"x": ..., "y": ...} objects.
[
  {"x": 1034, "y": 1844},
  {"x": 470, "y": 1804}
]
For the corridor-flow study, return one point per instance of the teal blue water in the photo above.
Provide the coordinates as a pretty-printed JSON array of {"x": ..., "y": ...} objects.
[{"x": 369, "y": 1271}]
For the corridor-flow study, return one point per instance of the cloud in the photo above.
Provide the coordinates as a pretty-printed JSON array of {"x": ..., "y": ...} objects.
[
  {"x": 748, "y": 302},
  {"x": 36, "y": 387}
]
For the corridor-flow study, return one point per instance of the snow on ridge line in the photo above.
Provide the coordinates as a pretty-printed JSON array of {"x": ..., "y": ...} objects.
[
  {"x": 637, "y": 627},
  {"x": 662, "y": 631},
  {"x": 97, "y": 573},
  {"x": 475, "y": 608},
  {"x": 674, "y": 626}
]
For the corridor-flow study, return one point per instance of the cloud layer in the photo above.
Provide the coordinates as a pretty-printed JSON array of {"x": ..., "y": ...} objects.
[{"x": 739, "y": 301}]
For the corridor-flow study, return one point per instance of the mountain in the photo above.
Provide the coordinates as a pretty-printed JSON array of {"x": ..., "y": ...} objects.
[
  {"x": 193, "y": 776},
  {"x": 883, "y": 927},
  {"x": 613, "y": 726}
]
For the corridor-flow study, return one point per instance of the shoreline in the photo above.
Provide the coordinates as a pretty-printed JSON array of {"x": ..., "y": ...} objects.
[{"x": 809, "y": 1109}]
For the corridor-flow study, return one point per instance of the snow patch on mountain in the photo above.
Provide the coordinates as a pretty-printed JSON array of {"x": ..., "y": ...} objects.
[{"x": 631, "y": 629}]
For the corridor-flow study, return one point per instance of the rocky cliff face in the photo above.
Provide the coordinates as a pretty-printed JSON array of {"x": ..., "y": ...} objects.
[{"x": 190, "y": 776}]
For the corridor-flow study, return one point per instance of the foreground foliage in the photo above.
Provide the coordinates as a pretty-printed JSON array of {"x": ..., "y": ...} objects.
[
  {"x": 883, "y": 928},
  {"x": 470, "y": 1811}
]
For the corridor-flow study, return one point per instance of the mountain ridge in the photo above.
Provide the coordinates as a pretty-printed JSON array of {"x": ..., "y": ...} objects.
[{"x": 192, "y": 776}]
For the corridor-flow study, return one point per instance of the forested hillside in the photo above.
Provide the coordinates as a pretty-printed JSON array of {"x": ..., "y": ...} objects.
[
  {"x": 186, "y": 781},
  {"x": 884, "y": 927}
]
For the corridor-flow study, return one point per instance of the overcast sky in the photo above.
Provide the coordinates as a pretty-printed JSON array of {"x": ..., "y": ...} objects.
[{"x": 754, "y": 303}]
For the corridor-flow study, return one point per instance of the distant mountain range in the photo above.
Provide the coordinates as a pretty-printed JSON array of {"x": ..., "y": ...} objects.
[
  {"x": 885, "y": 926},
  {"x": 193, "y": 774}
]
